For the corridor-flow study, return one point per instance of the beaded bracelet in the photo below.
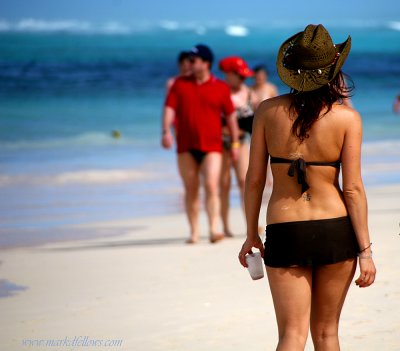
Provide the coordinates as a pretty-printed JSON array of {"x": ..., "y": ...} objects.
[{"x": 364, "y": 257}]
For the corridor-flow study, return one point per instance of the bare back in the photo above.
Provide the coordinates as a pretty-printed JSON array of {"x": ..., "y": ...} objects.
[{"x": 324, "y": 198}]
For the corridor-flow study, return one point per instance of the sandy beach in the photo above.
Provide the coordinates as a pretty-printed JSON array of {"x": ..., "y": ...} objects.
[{"x": 152, "y": 292}]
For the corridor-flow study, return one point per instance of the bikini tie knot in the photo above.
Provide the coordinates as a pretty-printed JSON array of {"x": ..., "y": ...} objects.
[{"x": 300, "y": 166}]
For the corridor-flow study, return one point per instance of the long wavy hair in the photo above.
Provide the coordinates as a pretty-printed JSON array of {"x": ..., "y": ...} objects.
[{"x": 308, "y": 105}]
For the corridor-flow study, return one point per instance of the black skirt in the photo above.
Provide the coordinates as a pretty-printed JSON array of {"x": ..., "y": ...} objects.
[{"x": 310, "y": 243}]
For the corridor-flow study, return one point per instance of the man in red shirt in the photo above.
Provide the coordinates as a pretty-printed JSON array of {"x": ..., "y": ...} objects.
[{"x": 197, "y": 103}]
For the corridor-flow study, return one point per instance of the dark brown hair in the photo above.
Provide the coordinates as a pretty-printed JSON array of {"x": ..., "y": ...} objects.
[{"x": 308, "y": 105}]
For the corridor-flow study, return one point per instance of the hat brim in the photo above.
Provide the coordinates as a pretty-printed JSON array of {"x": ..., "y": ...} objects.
[
  {"x": 300, "y": 82},
  {"x": 246, "y": 74}
]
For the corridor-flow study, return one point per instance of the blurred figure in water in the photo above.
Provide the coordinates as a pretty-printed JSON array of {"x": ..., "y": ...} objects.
[
  {"x": 262, "y": 88},
  {"x": 396, "y": 104},
  {"x": 184, "y": 67},
  {"x": 236, "y": 72}
]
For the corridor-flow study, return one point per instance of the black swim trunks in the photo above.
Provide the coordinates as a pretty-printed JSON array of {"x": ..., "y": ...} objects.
[
  {"x": 198, "y": 155},
  {"x": 310, "y": 243}
]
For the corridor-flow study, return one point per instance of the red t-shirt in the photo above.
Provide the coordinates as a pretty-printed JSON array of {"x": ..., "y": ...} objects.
[{"x": 198, "y": 111}]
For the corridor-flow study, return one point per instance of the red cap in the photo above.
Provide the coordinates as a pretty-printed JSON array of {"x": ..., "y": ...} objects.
[{"x": 235, "y": 64}]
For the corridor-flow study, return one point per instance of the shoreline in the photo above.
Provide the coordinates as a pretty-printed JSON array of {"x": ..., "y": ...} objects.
[
  {"x": 115, "y": 228},
  {"x": 149, "y": 289}
]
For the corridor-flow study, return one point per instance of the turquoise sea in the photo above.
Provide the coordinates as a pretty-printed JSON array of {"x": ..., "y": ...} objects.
[{"x": 62, "y": 93}]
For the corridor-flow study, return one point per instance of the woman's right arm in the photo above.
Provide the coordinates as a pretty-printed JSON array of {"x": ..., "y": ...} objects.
[
  {"x": 355, "y": 199},
  {"x": 255, "y": 183}
]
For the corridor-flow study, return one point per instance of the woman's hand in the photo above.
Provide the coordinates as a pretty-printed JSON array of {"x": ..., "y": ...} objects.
[
  {"x": 367, "y": 271},
  {"x": 247, "y": 246}
]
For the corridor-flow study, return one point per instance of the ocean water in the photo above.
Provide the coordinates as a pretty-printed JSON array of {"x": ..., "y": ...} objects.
[{"x": 63, "y": 90}]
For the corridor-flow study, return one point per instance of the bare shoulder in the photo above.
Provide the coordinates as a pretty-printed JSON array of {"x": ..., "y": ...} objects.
[
  {"x": 268, "y": 108},
  {"x": 348, "y": 116}
]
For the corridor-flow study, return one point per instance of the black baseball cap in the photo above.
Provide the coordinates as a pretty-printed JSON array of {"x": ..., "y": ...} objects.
[
  {"x": 183, "y": 55},
  {"x": 202, "y": 51}
]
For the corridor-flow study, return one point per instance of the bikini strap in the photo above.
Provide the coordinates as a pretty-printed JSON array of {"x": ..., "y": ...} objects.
[
  {"x": 335, "y": 164},
  {"x": 300, "y": 166}
]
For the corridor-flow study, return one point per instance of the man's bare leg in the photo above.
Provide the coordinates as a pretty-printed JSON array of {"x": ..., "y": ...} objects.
[
  {"x": 211, "y": 168},
  {"x": 189, "y": 171}
]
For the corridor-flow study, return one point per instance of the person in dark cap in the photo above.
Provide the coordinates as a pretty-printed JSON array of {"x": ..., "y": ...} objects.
[
  {"x": 197, "y": 102},
  {"x": 184, "y": 67},
  {"x": 317, "y": 230}
]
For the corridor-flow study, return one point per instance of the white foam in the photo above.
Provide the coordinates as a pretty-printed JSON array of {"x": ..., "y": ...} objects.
[
  {"x": 115, "y": 28},
  {"x": 386, "y": 148},
  {"x": 395, "y": 25},
  {"x": 85, "y": 177},
  {"x": 169, "y": 25},
  {"x": 236, "y": 30},
  {"x": 200, "y": 30},
  {"x": 68, "y": 25},
  {"x": 35, "y": 25},
  {"x": 230, "y": 28}
]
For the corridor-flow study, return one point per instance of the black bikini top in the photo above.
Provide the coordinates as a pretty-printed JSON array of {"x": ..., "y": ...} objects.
[{"x": 300, "y": 166}]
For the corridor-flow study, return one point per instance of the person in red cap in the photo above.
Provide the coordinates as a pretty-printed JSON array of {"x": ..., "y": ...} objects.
[
  {"x": 196, "y": 103},
  {"x": 236, "y": 72}
]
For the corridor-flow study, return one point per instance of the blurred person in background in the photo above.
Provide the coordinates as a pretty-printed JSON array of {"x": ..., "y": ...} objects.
[
  {"x": 396, "y": 104},
  {"x": 262, "y": 88},
  {"x": 197, "y": 102},
  {"x": 236, "y": 72},
  {"x": 184, "y": 67}
]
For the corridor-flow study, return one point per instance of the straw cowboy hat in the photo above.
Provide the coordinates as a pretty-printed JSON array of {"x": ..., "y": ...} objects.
[{"x": 309, "y": 60}]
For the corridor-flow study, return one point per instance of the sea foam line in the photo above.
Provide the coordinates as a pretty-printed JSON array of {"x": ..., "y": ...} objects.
[
  {"x": 86, "y": 177},
  {"x": 73, "y": 26},
  {"x": 231, "y": 27}
]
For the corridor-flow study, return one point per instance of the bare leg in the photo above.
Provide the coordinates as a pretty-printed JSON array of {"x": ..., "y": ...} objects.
[
  {"x": 211, "y": 169},
  {"x": 330, "y": 286},
  {"x": 189, "y": 171},
  {"x": 240, "y": 167},
  {"x": 225, "y": 185},
  {"x": 291, "y": 293}
]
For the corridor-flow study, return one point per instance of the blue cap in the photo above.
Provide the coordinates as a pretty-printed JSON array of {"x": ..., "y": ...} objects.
[{"x": 202, "y": 51}]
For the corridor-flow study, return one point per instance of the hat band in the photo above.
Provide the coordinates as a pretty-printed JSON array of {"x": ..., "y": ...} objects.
[{"x": 299, "y": 70}]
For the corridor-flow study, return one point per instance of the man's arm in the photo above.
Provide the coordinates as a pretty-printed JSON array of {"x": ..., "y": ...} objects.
[{"x": 167, "y": 121}]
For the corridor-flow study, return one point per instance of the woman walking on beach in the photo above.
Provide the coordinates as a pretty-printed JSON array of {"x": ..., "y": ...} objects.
[
  {"x": 236, "y": 72},
  {"x": 315, "y": 230}
]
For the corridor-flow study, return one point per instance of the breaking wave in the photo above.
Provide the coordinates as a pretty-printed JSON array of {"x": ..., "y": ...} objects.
[{"x": 229, "y": 27}]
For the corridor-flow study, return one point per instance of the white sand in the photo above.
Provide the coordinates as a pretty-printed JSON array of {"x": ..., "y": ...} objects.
[{"x": 155, "y": 293}]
